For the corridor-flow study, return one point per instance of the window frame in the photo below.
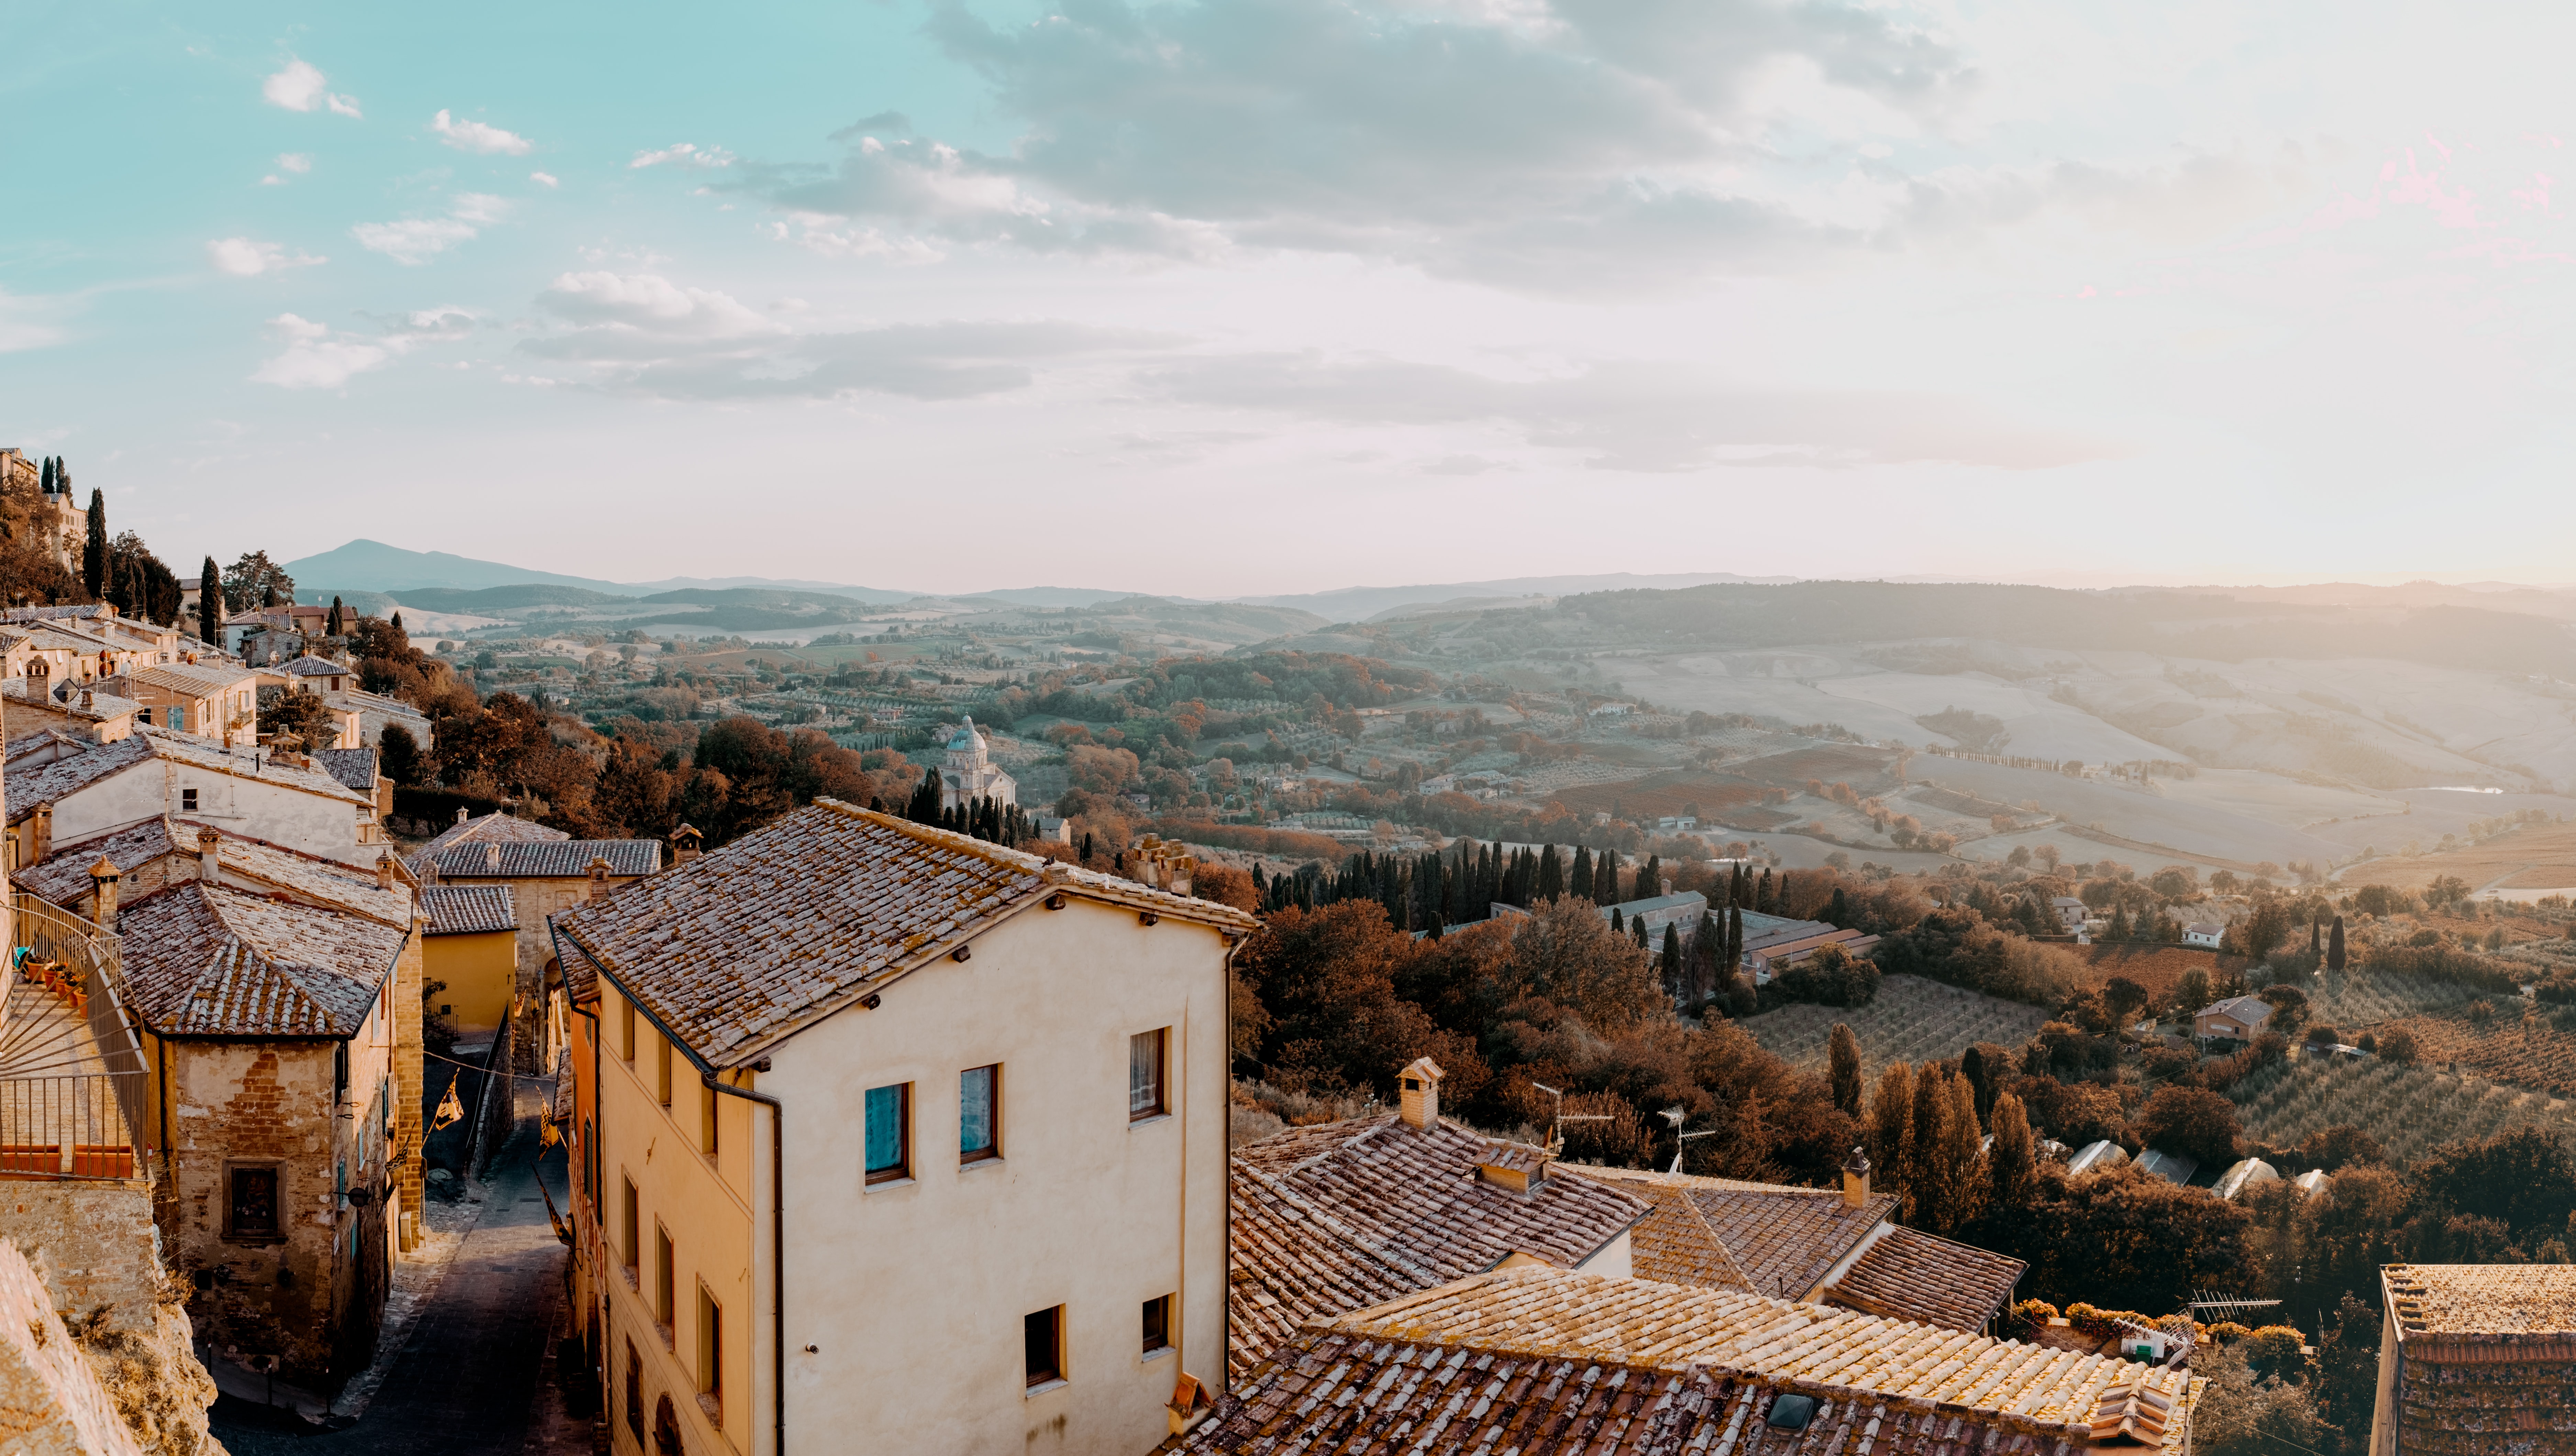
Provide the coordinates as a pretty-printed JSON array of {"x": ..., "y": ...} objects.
[
  {"x": 710, "y": 1127},
  {"x": 1035, "y": 1376},
  {"x": 662, "y": 1069},
  {"x": 634, "y": 1231},
  {"x": 666, "y": 1268},
  {"x": 188, "y": 800},
  {"x": 900, "y": 1171},
  {"x": 626, "y": 1007},
  {"x": 1155, "y": 1327},
  {"x": 991, "y": 1151},
  {"x": 275, "y": 1170},
  {"x": 710, "y": 1353},
  {"x": 1161, "y": 1106}
]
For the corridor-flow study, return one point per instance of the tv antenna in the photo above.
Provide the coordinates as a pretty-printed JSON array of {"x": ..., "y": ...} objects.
[
  {"x": 1556, "y": 1129},
  {"x": 1675, "y": 1116}
]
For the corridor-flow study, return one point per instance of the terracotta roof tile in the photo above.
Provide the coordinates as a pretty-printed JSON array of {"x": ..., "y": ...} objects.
[
  {"x": 468, "y": 909},
  {"x": 1781, "y": 1240},
  {"x": 1907, "y": 1274},
  {"x": 1537, "y": 1359},
  {"x": 209, "y": 960},
  {"x": 744, "y": 945},
  {"x": 354, "y": 767},
  {"x": 2489, "y": 1358},
  {"x": 554, "y": 859},
  {"x": 63, "y": 877},
  {"x": 503, "y": 828},
  {"x": 1292, "y": 1262},
  {"x": 28, "y": 788}
]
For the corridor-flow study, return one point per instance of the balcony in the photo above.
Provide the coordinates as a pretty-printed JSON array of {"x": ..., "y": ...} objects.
[{"x": 74, "y": 1101}]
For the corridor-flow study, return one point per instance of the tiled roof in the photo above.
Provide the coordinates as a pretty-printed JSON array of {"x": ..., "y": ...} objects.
[
  {"x": 30, "y": 788},
  {"x": 209, "y": 960},
  {"x": 561, "y": 859},
  {"x": 1909, "y": 1275},
  {"x": 101, "y": 704},
  {"x": 1291, "y": 1262},
  {"x": 181, "y": 677},
  {"x": 354, "y": 767},
  {"x": 1782, "y": 1240},
  {"x": 63, "y": 877},
  {"x": 468, "y": 909},
  {"x": 2489, "y": 1355},
  {"x": 581, "y": 977},
  {"x": 311, "y": 666},
  {"x": 1533, "y": 1359},
  {"x": 1383, "y": 1199},
  {"x": 2252, "y": 1010},
  {"x": 501, "y": 828},
  {"x": 48, "y": 783},
  {"x": 742, "y": 946}
]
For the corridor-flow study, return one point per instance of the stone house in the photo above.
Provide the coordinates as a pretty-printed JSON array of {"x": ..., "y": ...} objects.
[
  {"x": 889, "y": 1137},
  {"x": 209, "y": 699},
  {"x": 2475, "y": 1360},
  {"x": 64, "y": 789},
  {"x": 472, "y": 946},
  {"x": 2238, "y": 1018},
  {"x": 277, "y": 1000},
  {"x": 84, "y": 713},
  {"x": 542, "y": 876}
]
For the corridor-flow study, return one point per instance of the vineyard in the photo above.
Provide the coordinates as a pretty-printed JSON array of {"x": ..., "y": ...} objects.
[
  {"x": 2363, "y": 998},
  {"x": 2410, "y": 1110},
  {"x": 2528, "y": 1053},
  {"x": 1913, "y": 1020}
]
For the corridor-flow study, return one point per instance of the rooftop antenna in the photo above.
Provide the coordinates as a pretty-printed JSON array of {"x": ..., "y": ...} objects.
[
  {"x": 1556, "y": 1129},
  {"x": 1675, "y": 1116}
]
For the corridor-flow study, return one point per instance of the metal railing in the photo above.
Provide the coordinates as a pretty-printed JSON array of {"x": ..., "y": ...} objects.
[
  {"x": 67, "y": 1127},
  {"x": 74, "y": 1098}
]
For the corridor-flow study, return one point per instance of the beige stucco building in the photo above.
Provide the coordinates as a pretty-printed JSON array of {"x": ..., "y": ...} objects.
[{"x": 890, "y": 1139}]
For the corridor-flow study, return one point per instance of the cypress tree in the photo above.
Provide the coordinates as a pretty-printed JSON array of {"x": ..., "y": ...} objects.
[
  {"x": 1932, "y": 1186},
  {"x": 210, "y": 604},
  {"x": 1551, "y": 875},
  {"x": 1672, "y": 961},
  {"x": 1650, "y": 880},
  {"x": 94, "y": 555},
  {"x": 1961, "y": 1154},
  {"x": 2334, "y": 946},
  {"x": 1838, "y": 911},
  {"x": 1708, "y": 946},
  {"x": 1842, "y": 1058},
  {"x": 336, "y": 624},
  {"x": 1735, "y": 940},
  {"x": 268, "y": 596},
  {"x": 1579, "y": 884},
  {"x": 397, "y": 622},
  {"x": 1891, "y": 1131},
  {"x": 2012, "y": 1164},
  {"x": 1616, "y": 923},
  {"x": 47, "y": 471},
  {"x": 2316, "y": 934},
  {"x": 1605, "y": 878}
]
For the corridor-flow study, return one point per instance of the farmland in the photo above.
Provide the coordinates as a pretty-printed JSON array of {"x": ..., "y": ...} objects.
[
  {"x": 2528, "y": 1053},
  {"x": 2363, "y": 999},
  {"x": 2410, "y": 1110},
  {"x": 2156, "y": 967},
  {"x": 1913, "y": 1020},
  {"x": 2534, "y": 857}
]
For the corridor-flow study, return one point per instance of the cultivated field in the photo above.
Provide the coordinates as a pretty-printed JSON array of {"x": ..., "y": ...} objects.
[
  {"x": 1913, "y": 1020},
  {"x": 2362, "y": 999},
  {"x": 2525, "y": 1053},
  {"x": 2156, "y": 967},
  {"x": 2410, "y": 1110},
  {"x": 2534, "y": 857}
]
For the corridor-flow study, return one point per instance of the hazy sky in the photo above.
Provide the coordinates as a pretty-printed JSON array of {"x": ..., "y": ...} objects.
[{"x": 1279, "y": 295}]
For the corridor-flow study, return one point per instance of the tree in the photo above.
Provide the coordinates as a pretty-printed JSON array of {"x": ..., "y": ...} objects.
[
  {"x": 337, "y": 624},
  {"x": 398, "y": 755},
  {"x": 2523, "y": 1179},
  {"x": 2397, "y": 1045},
  {"x": 1564, "y": 953},
  {"x": 2192, "y": 1121},
  {"x": 1605, "y": 878},
  {"x": 210, "y": 607},
  {"x": 94, "y": 554},
  {"x": 2334, "y": 947},
  {"x": 1964, "y": 1153},
  {"x": 2012, "y": 1166},
  {"x": 1842, "y": 1055},
  {"x": 1932, "y": 1184},
  {"x": 1891, "y": 1129},
  {"x": 1670, "y": 959},
  {"x": 1579, "y": 883},
  {"x": 2192, "y": 991},
  {"x": 254, "y": 581},
  {"x": 299, "y": 720}
]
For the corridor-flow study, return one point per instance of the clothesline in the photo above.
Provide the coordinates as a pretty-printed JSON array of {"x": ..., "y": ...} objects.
[{"x": 469, "y": 1066}]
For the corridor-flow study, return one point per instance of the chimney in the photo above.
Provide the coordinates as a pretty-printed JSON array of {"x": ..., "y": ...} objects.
[
  {"x": 102, "y": 878},
  {"x": 385, "y": 870},
  {"x": 598, "y": 878},
  {"x": 460, "y": 813},
  {"x": 1513, "y": 1167},
  {"x": 492, "y": 858},
  {"x": 44, "y": 834},
  {"x": 209, "y": 856},
  {"x": 1421, "y": 1093},
  {"x": 1856, "y": 1180},
  {"x": 686, "y": 844}
]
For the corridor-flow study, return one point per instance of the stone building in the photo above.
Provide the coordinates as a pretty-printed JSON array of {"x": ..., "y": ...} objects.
[
  {"x": 213, "y": 699},
  {"x": 2476, "y": 1360},
  {"x": 887, "y": 1138},
  {"x": 61, "y": 789},
  {"x": 970, "y": 774}
]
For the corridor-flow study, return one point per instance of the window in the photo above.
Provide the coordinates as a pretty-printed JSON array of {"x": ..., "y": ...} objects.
[
  {"x": 979, "y": 1113},
  {"x": 710, "y": 1345},
  {"x": 1043, "y": 1343},
  {"x": 662, "y": 1280},
  {"x": 635, "y": 1392},
  {"x": 178, "y": 718},
  {"x": 252, "y": 1209},
  {"x": 889, "y": 1111},
  {"x": 707, "y": 1119},
  {"x": 143, "y": 716},
  {"x": 589, "y": 1165},
  {"x": 1158, "y": 1324},
  {"x": 662, "y": 1067},
  {"x": 188, "y": 801},
  {"x": 634, "y": 1242},
  {"x": 626, "y": 1026},
  {"x": 1145, "y": 1074}
]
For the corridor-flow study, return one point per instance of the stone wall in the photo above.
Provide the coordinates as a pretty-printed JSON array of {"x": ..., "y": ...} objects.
[
  {"x": 94, "y": 1247},
  {"x": 51, "y": 1403}
]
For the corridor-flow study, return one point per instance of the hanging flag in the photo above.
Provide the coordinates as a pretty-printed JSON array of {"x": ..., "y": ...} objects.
[
  {"x": 548, "y": 1134},
  {"x": 449, "y": 1108}
]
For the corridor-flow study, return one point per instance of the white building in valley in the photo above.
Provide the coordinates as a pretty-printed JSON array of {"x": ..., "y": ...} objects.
[{"x": 970, "y": 773}]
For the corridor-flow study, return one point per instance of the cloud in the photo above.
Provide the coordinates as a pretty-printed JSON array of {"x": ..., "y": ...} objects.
[
  {"x": 313, "y": 359},
  {"x": 476, "y": 137},
  {"x": 416, "y": 240},
  {"x": 299, "y": 87},
  {"x": 244, "y": 258},
  {"x": 641, "y": 333},
  {"x": 1631, "y": 416},
  {"x": 544, "y": 179},
  {"x": 684, "y": 154}
]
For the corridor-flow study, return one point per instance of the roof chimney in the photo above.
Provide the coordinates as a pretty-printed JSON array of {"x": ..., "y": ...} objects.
[
  {"x": 1513, "y": 1167},
  {"x": 492, "y": 858},
  {"x": 1856, "y": 1180},
  {"x": 1421, "y": 1093},
  {"x": 686, "y": 844},
  {"x": 460, "y": 813},
  {"x": 44, "y": 834},
  {"x": 385, "y": 870},
  {"x": 209, "y": 856},
  {"x": 102, "y": 878}
]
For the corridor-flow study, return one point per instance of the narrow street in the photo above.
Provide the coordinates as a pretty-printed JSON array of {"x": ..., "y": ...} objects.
[{"x": 466, "y": 1381}]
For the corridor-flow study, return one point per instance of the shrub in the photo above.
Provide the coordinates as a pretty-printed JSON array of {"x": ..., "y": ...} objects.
[
  {"x": 2227, "y": 1332},
  {"x": 2398, "y": 1046},
  {"x": 2166, "y": 1062},
  {"x": 2274, "y": 1349},
  {"x": 2368, "y": 1043},
  {"x": 2035, "y": 1311}
]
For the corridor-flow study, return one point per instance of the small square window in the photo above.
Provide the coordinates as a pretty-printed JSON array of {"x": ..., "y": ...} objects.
[
  {"x": 1145, "y": 1075},
  {"x": 889, "y": 1133},
  {"x": 979, "y": 1113},
  {"x": 188, "y": 801},
  {"x": 1158, "y": 1324},
  {"x": 1042, "y": 1338}
]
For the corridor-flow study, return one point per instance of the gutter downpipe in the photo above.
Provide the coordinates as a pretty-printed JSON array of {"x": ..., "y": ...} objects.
[{"x": 777, "y": 1173}]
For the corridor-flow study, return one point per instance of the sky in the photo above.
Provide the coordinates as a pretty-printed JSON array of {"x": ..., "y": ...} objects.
[{"x": 1288, "y": 295}]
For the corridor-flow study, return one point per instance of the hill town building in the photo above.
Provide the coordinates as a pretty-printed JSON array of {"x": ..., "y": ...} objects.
[
  {"x": 970, "y": 774},
  {"x": 2475, "y": 1360}
]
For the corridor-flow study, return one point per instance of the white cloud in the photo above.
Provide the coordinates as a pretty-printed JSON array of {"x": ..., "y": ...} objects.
[
  {"x": 544, "y": 179},
  {"x": 479, "y": 138},
  {"x": 685, "y": 154},
  {"x": 245, "y": 258},
  {"x": 416, "y": 240},
  {"x": 297, "y": 162},
  {"x": 652, "y": 303},
  {"x": 300, "y": 87},
  {"x": 312, "y": 359}
]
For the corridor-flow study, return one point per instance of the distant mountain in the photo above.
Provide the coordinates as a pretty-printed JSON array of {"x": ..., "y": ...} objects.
[
  {"x": 1358, "y": 603},
  {"x": 373, "y": 566},
  {"x": 1048, "y": 596}
]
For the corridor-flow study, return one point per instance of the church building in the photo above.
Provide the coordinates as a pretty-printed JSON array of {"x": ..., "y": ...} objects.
[{"x": 969, "y": 775}]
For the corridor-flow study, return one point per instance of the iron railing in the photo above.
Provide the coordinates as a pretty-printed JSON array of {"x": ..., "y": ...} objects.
[{"x": 74, "y": 1100}]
